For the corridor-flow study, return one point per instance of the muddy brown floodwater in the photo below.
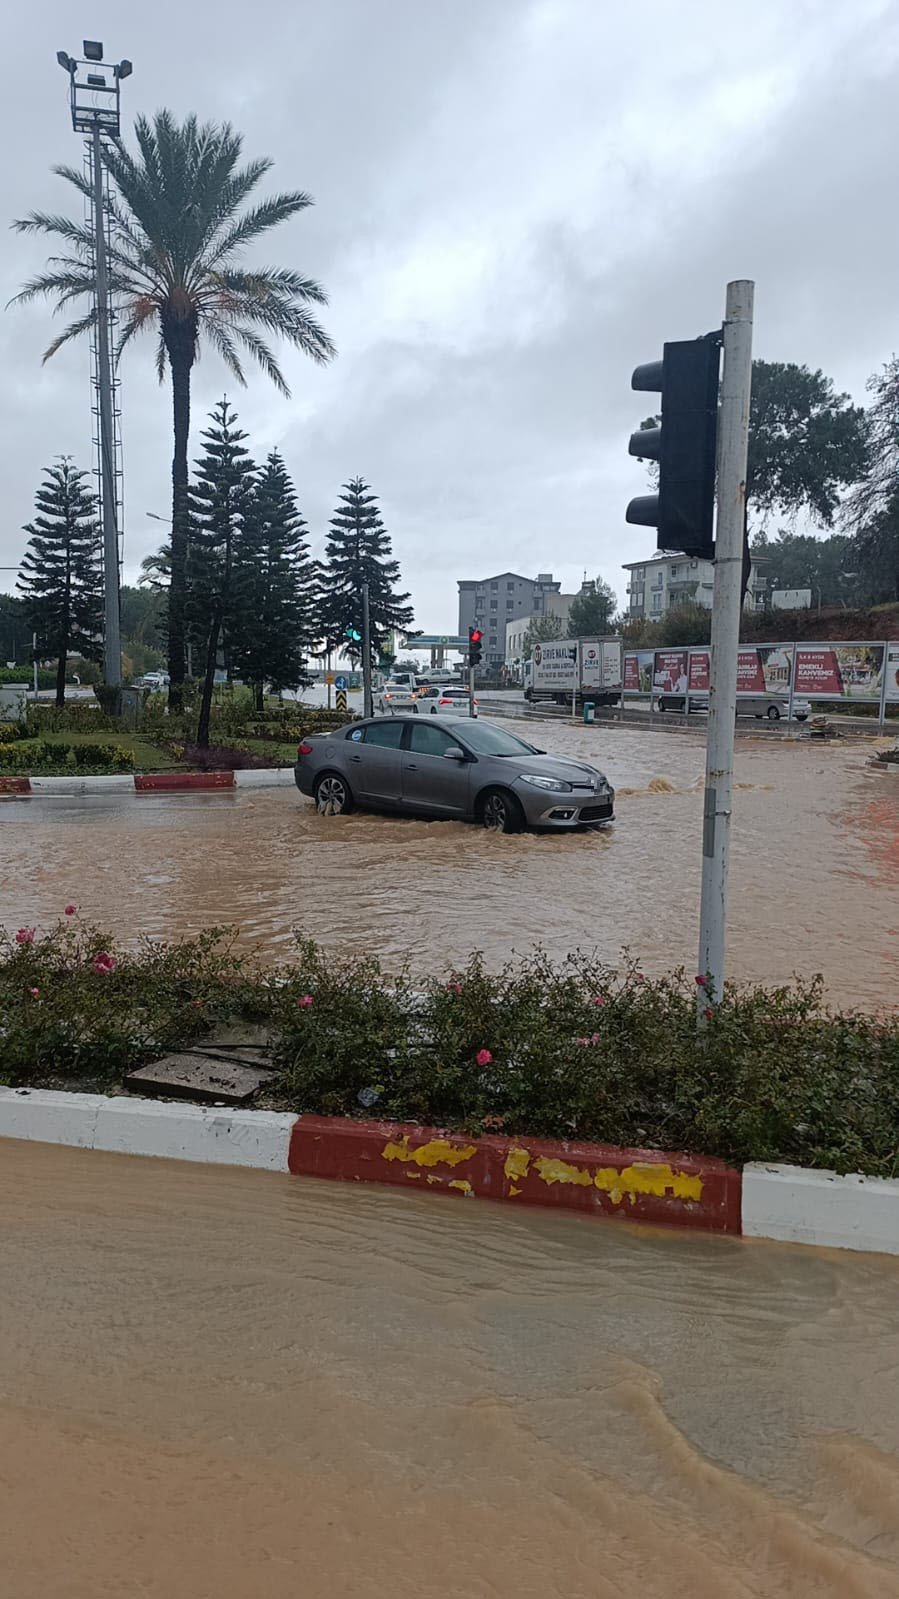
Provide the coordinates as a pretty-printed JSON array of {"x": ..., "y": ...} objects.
[
  {"x": 228, "y": 1385},
  {"x": 815, "y": 884}
]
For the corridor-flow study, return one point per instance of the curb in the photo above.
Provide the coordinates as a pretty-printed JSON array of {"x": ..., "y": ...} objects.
[
  {"x": 787, "y": 1203},
  {"x": 644, "y": 1185},
  {"x": 149, "y": 782}
]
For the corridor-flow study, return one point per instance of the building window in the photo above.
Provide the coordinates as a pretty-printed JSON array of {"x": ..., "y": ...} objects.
[
  {"x": 510, "y": 605},
  {"x": 479, "y": 588},
  {"x": 493, "y": 642},
  {"x": 493, "y": 604},
  {"x": 656, "y": 601},
  {"x": 494, "y": 587}
]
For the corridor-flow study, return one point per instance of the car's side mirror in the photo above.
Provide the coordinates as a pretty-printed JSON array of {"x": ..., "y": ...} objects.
[{"x": 455, "y": 754}]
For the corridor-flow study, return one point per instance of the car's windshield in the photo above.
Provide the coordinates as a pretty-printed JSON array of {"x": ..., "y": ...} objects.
[{"x": 485, "y": 739}]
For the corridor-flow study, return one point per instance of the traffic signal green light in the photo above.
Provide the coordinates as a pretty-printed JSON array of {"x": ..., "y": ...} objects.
[
  {"x": 683, "y": 509},
  {"x": 352, "y": 635}
]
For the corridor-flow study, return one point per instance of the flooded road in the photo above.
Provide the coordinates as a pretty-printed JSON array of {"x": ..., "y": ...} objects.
[
  {"x": 815, "y": 882},
  {"x": 227, "y": 1384}
]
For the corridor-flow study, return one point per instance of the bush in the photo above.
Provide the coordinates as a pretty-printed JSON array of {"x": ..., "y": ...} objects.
[
  {"x": 72, "y": 1008},
  {"x": 217, "y": 757}
]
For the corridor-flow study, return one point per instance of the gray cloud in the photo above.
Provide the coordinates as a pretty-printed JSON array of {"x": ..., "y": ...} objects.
[{"x": 515, "y": 203}]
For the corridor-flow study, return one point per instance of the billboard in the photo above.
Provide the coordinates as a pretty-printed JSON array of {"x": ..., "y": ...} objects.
[
  {"x": 555, "y": 664},
  {"x": 698, "y": 673},
  {"x": 638, "y": 665},
  {"x": 839, "y": 671},
  {"x": 892, "y": 673},
  {"x": 765, "y": 669},
  {"x": 669, "y": 672}
]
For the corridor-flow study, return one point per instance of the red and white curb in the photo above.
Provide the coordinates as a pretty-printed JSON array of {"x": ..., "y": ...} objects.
[
  {"x": 149, "y": 782},
  {"x": 763, "y": 1201}
]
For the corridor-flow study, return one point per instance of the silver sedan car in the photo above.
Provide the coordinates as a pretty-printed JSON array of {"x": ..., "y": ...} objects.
[{"x": 455, "y": 767}]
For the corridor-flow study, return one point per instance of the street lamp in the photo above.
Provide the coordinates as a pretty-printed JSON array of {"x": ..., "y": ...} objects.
[{"x": 94, "y": 101}]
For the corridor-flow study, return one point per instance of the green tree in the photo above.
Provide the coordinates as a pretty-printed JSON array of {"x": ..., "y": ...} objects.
[
  {"x": 179, "y": 230},
  {"x": 542, "y": 630},
  {"x": 15, "y": 634},
  {"x": 872, "y": 514},
  {"x": 807, "y": 443},
  {"x": 275, "y": 624},
  {"x": 592, "y": 610},
  {"x": 826, "y": 566},
  {"x": 61, "y": 577},
  {"x": 221, "y": 504},
  {"x": 358, "y": 551}
]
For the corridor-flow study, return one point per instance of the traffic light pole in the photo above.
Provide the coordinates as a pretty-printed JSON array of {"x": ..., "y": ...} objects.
[
  {"x": 733, "y": 442},
  {"x": 367, "y": 703},
  {"x": 470, "y": 690}
]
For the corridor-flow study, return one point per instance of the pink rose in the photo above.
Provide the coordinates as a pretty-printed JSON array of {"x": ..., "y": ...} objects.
[
  {"x": 708, "y": 1013},
  {"x": 596, "y": 1038},
  {"x": 582, "y": 1041},
  {"x": 71, "y": 909},
  {"x": 701, "y": 982},
  {"x": 35, "y": 993},
  {"x": 103, "y": 963},
  {"x": 25, "y": 935},
  {"x": 484, "y": 1057},
  {"x": 305, "y": 1001},
  {"x": 598, "y": 999}
]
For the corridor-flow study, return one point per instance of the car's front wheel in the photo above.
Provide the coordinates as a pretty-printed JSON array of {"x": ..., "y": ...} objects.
[
  {"x": 332, "y": 795},
  {"x": 773, "y": 713},
  {"x": 500, "y": 812}
]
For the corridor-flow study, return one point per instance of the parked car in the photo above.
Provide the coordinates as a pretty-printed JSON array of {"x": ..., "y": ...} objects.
[
  {"x": 437, "y": 675},
  {"x": 154, "y": 681},
  {"x": 772, "y": 706},
  {"x": 470, "y": 771},
  {"x": 445, "y": 700}
]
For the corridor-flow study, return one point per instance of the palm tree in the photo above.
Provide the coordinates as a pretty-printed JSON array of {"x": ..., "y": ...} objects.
[{"x": 179, "y": 231}]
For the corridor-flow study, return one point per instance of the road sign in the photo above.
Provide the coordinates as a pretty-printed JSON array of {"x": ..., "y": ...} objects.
[
  {"x": 341, "y": 683},
  {"x": 340, "y": 701},
  {"x": 329, "y": 677}
]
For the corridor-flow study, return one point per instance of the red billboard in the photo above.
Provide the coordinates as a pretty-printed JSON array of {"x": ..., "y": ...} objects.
[
  {"x": 699, "y": 671},
  {"x": 669, "y": 674},
  {"x": 840, "y": 671}
]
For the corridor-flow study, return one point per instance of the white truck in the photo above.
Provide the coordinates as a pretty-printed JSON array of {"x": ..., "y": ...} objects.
[{"x": 583, "y": 669}]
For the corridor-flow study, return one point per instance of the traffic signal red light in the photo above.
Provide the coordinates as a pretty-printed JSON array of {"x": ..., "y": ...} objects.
[
  {"x": 475, "y": 639},
  {"x": 476, "y": 635}
]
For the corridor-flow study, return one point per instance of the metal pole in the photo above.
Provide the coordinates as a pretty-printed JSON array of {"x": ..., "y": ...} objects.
[
  {"x": 733, "y": 440},
  {"x": 575, "y": 680},
  {"x": 112, "y": 655},
  {"x": 34, "y": 660},
  {"x": 470, "y": 690},
  {"x": 367, "y": 704},
  {"x": 882, "y": 722}
]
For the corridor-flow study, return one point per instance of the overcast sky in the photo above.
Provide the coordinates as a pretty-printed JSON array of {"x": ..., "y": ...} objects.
[{"x": 516, "y": 202}]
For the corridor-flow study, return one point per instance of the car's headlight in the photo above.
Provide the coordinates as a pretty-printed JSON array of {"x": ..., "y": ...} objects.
[{"x": 555, "y": 785}]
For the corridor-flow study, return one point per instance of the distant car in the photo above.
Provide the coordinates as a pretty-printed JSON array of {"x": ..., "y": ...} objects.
[
  {"x": 771, "y": 706},
  {"x": 397, "y": 697},
  {"x": 471, "y": 771},
  {"x": 445, "y": 700},
  {"x": 437, "y": 675},
  {"x": 154, "y": 680}
]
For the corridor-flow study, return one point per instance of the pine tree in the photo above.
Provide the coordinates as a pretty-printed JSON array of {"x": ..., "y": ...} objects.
[
  {"x": 359, "y": 551},
  {"x": 275, "y": 626},
  {"x": 221, "y": 499},
  {"x": 62, "y": 583}
]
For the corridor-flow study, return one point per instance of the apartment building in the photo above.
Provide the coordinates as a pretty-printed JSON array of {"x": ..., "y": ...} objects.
[
  {"x": 492, "y": 602},
  {"x": 654, "y": 586}
]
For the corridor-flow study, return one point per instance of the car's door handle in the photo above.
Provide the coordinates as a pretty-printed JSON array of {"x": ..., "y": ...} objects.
[
  {"x": 410, "y": 766},
  {"x": 356, "y": 758}
]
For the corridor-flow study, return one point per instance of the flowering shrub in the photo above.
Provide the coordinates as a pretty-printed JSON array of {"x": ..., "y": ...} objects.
[
  {"x": 70, "y": 1008},
  {"x": 560, "y": 1050}
]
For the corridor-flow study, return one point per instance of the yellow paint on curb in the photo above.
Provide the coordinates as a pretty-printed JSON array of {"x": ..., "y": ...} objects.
[
  {"x": 559, "y": 1171},
  {"x": 463, "y": 1185},
  {"x": 438, "y": 1152},
  {"x": 517, "y": 1163},
  {"x": 645, "y": 1177}
]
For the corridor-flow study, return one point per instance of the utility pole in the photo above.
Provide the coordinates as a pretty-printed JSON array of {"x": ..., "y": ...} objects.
[
  {"x": 367, "y": 705},
  {"x": 94, "y": 89},
  {"x": 112, "y": 640},
  {"x": 733, "y": 443}
]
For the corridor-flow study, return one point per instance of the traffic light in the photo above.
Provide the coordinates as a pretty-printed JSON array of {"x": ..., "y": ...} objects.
[
  {"x": 475, "y": 640},
  {"x": 683, "y": 510},
  {"x": 352, "y": 635}
]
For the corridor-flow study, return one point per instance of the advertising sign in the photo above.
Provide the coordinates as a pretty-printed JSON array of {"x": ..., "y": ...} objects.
[
  {"x": 600, "y": 665},
  {"x": 764, "y": 669},
  {"x": 699, "y": 671},
  {"x": 669, "y": 675},
  {"x": 839, "y": 671},
  {"x": 638, "y": 665},
  {"x": 555, "y": 664},
  {"x": 892, "y": 671}
]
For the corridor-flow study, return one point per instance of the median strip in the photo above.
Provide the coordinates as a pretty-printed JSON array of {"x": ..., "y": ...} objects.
[{"x": 149, "y": 782}]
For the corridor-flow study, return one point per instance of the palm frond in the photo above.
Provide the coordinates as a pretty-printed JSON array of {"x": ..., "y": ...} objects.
[
  {"x": 258, "y": 221},
  {"x": 220, "y": 338},
  {"x": 47, "y": 222},
  {"x": 263, "y": 356},
  {"x": 73, "y": 331},
  {"x": 264, "y": 281}
]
